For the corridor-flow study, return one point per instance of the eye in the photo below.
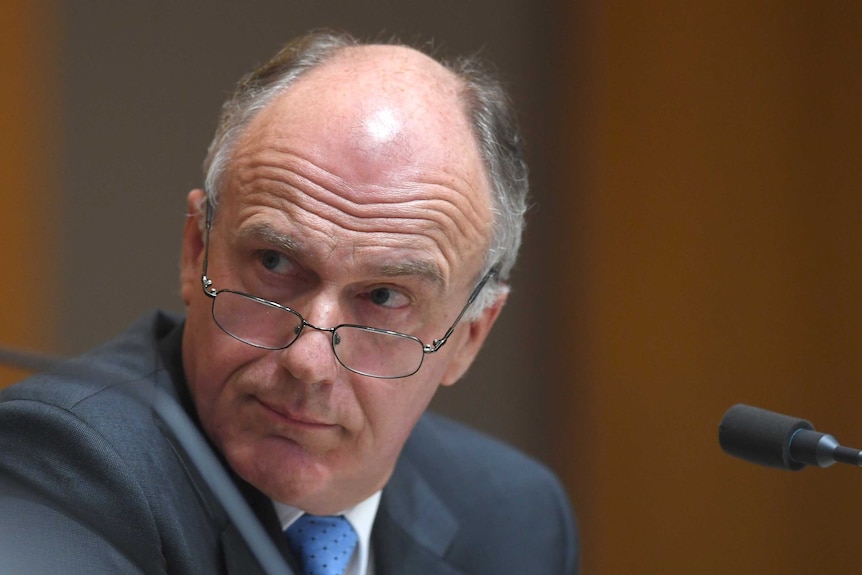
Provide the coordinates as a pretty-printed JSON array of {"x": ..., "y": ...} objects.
[
  {"x": 388, "y": 297},
  {"x": 275, "y": 262}
]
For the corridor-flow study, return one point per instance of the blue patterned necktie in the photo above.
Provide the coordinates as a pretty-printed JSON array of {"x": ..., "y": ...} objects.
[{"x": 323, "y": 544}]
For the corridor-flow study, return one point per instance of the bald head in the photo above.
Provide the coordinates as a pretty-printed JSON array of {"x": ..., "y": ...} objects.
[
  {"x": 385, "y": 101},
  {"x": 376, "y": 110}
]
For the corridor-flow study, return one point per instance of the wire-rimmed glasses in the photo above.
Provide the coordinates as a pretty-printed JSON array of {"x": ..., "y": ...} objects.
[{"x": 365, "y": 350}]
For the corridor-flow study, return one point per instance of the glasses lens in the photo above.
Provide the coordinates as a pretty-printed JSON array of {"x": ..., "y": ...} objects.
[
  {"x": 255, "y": 321},
  {"x": 377, "y": 353}
]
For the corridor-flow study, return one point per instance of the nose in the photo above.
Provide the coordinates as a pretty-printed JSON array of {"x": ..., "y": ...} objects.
[{"x": 310, "y": 358}]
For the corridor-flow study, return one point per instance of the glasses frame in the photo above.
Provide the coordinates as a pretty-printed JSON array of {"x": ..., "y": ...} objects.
[{"x": 433, "y": 347}]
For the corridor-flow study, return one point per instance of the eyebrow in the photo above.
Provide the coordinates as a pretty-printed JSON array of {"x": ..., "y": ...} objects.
[
  {"x": 421, "y": 268},
  {"x": 272, "y": 236},
  {"x": 425, "y": 269}
]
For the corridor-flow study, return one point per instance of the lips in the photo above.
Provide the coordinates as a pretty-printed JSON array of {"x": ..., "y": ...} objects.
[{"x": 295, "y": 418}]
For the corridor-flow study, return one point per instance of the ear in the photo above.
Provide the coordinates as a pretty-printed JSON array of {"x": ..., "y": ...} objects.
[
  {"x": 477, "y": 331},
  {"x": 191, "y": 261}
]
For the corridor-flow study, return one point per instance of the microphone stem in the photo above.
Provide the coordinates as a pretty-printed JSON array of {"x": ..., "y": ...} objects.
[
  {"x": 848, "y": 455},
  {"x": 27, "y": 360}
]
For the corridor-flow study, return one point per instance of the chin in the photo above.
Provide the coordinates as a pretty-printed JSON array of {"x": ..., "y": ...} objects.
[{"x": 279, "y": 468}]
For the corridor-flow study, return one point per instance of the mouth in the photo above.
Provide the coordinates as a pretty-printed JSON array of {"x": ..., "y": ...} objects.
[{"x": 294, "y": 419}]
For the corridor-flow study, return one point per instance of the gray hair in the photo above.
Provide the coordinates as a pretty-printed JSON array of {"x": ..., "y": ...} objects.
[{"x": 485, "y": 102}]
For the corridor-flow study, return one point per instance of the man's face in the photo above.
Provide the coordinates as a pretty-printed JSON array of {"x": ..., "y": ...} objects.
[{"x": 358, "y": 196}]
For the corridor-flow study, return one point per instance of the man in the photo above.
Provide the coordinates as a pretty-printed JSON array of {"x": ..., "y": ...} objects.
[{"x": 380, "y": 195}]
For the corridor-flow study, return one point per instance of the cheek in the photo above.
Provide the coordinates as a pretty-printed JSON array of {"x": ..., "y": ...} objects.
[
  {"x": 230, "y": 413},
  {"x": 211, "y": 359},
  {"x": 392, "y": 407}
]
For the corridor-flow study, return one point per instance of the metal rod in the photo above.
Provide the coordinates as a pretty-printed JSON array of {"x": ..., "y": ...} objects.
[{"x": 28, "y": 360}]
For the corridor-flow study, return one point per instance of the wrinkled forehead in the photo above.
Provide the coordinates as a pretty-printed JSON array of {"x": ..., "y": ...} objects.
[{"x": 377, "y": 134}]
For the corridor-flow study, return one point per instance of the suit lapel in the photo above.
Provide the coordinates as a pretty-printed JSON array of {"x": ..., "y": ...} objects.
[
  {"x": 237, "y": 558},
  {"x": 414, "y": 528}
]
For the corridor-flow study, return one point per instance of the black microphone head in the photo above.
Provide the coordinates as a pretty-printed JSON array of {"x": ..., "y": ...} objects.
[{"x": 760, "y": 436}]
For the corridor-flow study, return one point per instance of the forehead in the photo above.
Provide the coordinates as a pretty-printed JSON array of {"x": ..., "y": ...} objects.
[
  {"x": 377, "y": 111},
  {"x": 376, "y": 142}
]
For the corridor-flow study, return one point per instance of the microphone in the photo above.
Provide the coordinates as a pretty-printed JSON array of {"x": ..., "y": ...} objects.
[
  {"x": 27, "y": 360},
  {"x": 775, "y": 440}
]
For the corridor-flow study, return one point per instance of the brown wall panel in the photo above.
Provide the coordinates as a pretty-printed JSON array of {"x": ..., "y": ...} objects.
[
  {"x": 26, "y": 185},
  {"x": 716, "y": 233}
]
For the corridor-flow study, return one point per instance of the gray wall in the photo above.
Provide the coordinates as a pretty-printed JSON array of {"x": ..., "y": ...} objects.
[{"x": 143, "y": 83}]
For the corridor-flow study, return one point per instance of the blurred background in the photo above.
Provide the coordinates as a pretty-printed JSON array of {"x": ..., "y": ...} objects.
[{"x": 695, "y": 242}]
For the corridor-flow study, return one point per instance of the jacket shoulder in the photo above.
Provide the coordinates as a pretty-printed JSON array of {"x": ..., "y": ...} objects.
[
  {"x": 80, "y": 451},
  {"x": 439, "y": 444},
  {"x": 509, "y": 512}
]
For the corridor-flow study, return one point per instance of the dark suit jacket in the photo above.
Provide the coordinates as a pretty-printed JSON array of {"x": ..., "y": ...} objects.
[{"x": 89, "y": 483}]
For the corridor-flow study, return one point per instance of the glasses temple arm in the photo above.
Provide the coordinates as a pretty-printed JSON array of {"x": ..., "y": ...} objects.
[
  {"x": 205, "y": 281},
  {"x": 438, "y": 343}
]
